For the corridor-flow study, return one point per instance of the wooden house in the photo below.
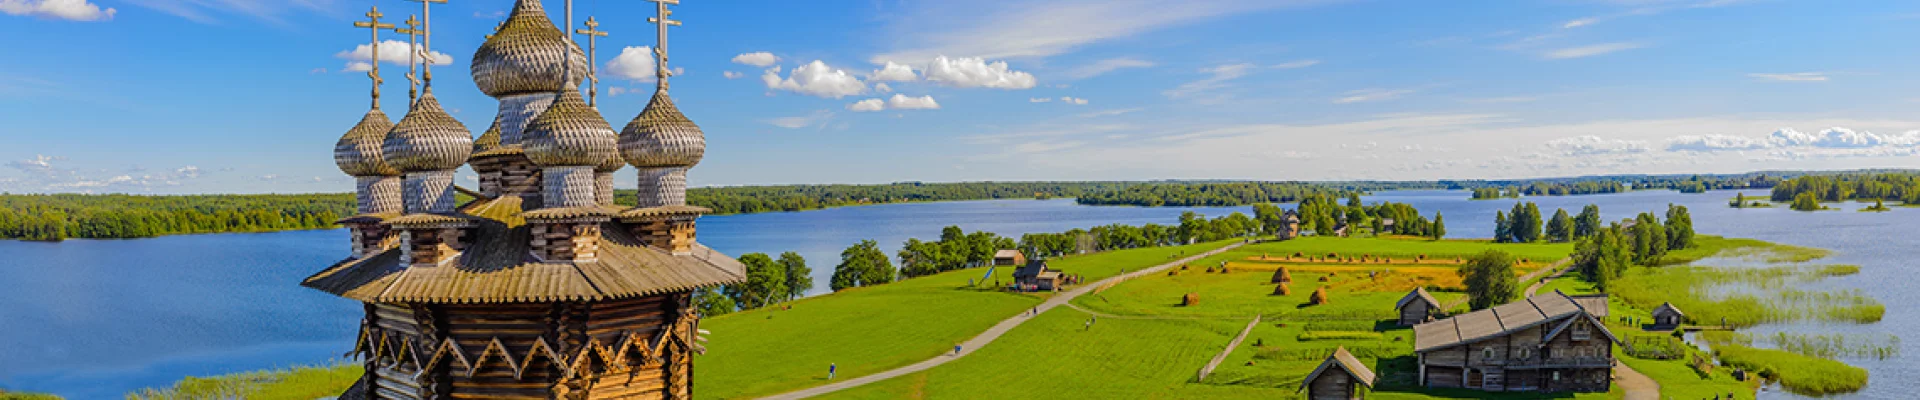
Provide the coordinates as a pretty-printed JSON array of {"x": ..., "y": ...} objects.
[
  {"x": 1009, "y": 257},
  {"x": 1417, "y": 307},
  {"x": 1545, "y": 343},
  {"x": 1036, "y": 276},
  {"x": 1290, "y": 225},
  {"x": 1339, "y": 377},
  {"x": 1667, "y": 316},
  {"x": 540, "y": 287}
]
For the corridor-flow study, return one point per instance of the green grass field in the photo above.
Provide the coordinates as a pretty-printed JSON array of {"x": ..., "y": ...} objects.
[
  {"x": 300, "y": 383},
  {"x": 867, "y": 330},
  {"x": 1400, "y": 249}
]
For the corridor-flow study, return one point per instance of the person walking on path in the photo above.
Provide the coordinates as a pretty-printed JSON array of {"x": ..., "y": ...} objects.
[
  {"x": 830, "y": 369},
  {"x": 956, "y": 350}
]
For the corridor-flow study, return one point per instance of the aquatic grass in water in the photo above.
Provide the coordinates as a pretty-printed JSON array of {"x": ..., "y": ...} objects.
[
  {"x": 1837, "y": 345},
  {"x": 1749, "y": 296},
  {"x": 1797, "y": 373}
]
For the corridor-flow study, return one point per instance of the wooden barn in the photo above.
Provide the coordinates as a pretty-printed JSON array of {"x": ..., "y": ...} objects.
[
  {"x": 1290, "y": 225},
  {"x": 1545, "y": 343},
  {"x": 1667, "y": 316},
  {"x": 1340, "y": 377},
  {"x": 1009, "y": 257},
  {"x": 540, "y": 287},
  {"x": 1036, "y": 276},
  {"x": 1417, "y": 307}
]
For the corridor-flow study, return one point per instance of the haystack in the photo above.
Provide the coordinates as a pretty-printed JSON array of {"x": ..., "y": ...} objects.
[
  {"x": 1190, "y": 299},
  {"x": 1281, "y": 276},
  {"x": 1319, "y": 296},
  {"x": 1282, "y": 290}
]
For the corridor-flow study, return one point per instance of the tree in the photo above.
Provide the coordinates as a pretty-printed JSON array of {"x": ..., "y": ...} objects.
[
  {"x": 799, "y": 277},
  {"x": 1439, "y": 229},
  {"x": 1649, "y": 239},
  {"x": 1490, "y": 280},
  {"x": 1271, "y": 217},
  {"x": 1560, "y": 228},
  {"x": 1588, "y": 222},
  {"x": 1807, "y": 201},
  {"x": 1679, "y": 227},
  {"x": 1502, "y": 230},
  {"x": 766, "y": 282},
  {"x": 1739, "y": 200},
  {"x": 919, "y": 258},
  {"x": 862, "y": 265},
  {"x": 1526, "y": 223},
  {"x": 711, "y": 303}
]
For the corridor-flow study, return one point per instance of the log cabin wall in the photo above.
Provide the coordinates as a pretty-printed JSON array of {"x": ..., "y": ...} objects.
[
  {"x": 509, "y": 174},
  {"x": 672, "y": 234},
  {"x": 370, "y": 237},
  {"x": 566, "y": 241},
  {"x": 506, "y": 345}
]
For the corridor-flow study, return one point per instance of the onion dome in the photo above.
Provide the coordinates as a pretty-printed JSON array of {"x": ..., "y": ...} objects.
[
  {"x": 569, "y": 133},
  {"x": 489, "y": 140},
  {"x": 662, "y": 137},
  {"x": 525, "y": 55},
  {"x": 427, "y": 139},
  {"x": 358, "y": 152}
]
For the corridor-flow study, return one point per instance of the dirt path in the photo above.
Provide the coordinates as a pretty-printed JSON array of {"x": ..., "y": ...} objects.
[
  {"x": 993, "y": 333},
  {"x": 1637, "y": 386},
  {"x": 1223, "y": 353},
  {"x": 1558, "y": 268}
]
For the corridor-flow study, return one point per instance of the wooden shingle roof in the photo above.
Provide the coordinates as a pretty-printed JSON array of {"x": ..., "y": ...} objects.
[
  {"x": 1006, "y": 253},
  {"x": 1419, "y": 294},
  {"x": 1499, "y": 320},
  {"x": 1345, "y": 361},
  {"x": 498, "y": 267},
  {"x": 1668, "y": 308}
]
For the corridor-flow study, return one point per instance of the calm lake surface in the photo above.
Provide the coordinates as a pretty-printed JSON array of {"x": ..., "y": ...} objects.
[{"x": 93, "y": 319}]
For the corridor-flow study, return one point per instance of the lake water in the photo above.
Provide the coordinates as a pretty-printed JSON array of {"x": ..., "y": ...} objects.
[{"x": 98, "y": 318}]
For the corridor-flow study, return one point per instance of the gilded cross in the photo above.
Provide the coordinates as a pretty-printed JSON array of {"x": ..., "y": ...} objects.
[
  {"x": 592, "y": 32},
  {"x": 660, "y": 48},
  {"x": 373, "y": 25},
  {"x": 426, "y": 42},
  {"x": 413, "y": 57}
]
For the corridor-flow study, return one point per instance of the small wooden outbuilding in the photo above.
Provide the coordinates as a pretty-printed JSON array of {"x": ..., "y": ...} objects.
[
  {"x": 1417, "y": 307},
  {"x": 1666, "y": 315},
  {"x": 1036, "y": 276},
  {"x": 1009, "y": 257},
  {"x": 1338, "y": 378}
]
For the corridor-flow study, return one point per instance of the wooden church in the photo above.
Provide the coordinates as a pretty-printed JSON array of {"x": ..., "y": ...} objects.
[{"x": 539, "y": 286}]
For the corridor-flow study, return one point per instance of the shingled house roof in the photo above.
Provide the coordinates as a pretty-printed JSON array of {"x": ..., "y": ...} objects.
[
  {"x": 498, "y": 267},
  {"x": 1032, "y": 269},
  {"x": 1343, "y": 360},
  {"x": 1499, "y": 320},
  {"x": 1417, "y": 294},
  {"x": 1006, "y": 253},
  {"x": 1667, "y": 308}
]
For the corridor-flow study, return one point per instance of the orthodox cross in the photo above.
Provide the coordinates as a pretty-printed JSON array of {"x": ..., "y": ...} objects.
[
  {"x": 660, "y": 49},
  {"x": 426, "y": 42},
  {"x": 413, "y": 57},
  {"x": 373, "y": 25},
  {"x": 593, "y": 91}
]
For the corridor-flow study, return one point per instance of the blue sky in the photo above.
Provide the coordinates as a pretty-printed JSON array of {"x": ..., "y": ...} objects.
[{"x": 198, "y": 96}]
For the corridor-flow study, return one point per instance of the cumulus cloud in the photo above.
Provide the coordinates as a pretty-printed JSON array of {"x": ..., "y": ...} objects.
[
  {"x": 39, "y": 163},
  {"x": 1108, "y": 65},
  {"x": 868, "y": 105},
  {"x": 882, "y": 88},
  {"x": 968, "y": 72},
  {"x": 815, "y": 79},
  {"x": 1039, "y": 99},
  {"x": 1836, "y": 138},
  {"x": 1073, "y": 100},
  {"x": 634, "y": 62},
  {"x": 902, "y": 102},
  {"x": 1590, "y": 50},
  {"x": 1589, "y": 145},
  {"x": 757, "y": 59},
  {"x": 72, "y": 10},
  {"x": 731, "y": 74},
  {"x": 391, "y": 51},
  {"x": 1791, "y": 77},
  {"x": 893, "y": 72}
]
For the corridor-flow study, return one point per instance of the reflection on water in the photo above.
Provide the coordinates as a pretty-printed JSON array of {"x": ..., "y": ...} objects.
[{"x": 95, "y": 319}]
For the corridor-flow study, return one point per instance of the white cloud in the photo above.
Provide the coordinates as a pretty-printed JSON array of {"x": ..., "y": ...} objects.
[
  {"x": 634, "y": 62},
  {"x": 1579, "y": 23},
  {"x": 1591, "y": 50},
  {"x": 1074, "y": 101},
  {"x": 868, "y": 105},
  {"x": 732, "y": 75},
  {"x": 815, "y": 79},
  {"x": 1109, "y": 113},
  {"x": 1039, "y": 99},
  {"x": 1791, "y": 77},
  {"x": 757, "y": 59},
  {"x": 72, "y": 10},
  {"x": 269, "y": 177},
  {"x": 882, "y": 88},
  {"x": 1296, "y": 64},
  {"x": 1367, "y": 95},
  {"x": 1219, "y": 76},
  {"x": 1835, "y": 138},
  {"x": 271, "y": 11},
  {"x": 1010, "y": 29},
  {"x": 1586, "y": 145},
  {"x": 902, "y": 102},
  {"x": 40, "y": 163},
  {"x": 966, "y": 72},
  {"x": 893, "y": 72},
  {"x": 1108, "y": 65},
  {"x": 816, "y": 119},
  {"x": 391, "y": 51}
]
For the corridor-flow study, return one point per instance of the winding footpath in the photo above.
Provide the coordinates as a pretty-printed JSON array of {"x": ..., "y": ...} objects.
[
  {"x": 995, "y": 332},
  {"x": 1636, "y": 385}
]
